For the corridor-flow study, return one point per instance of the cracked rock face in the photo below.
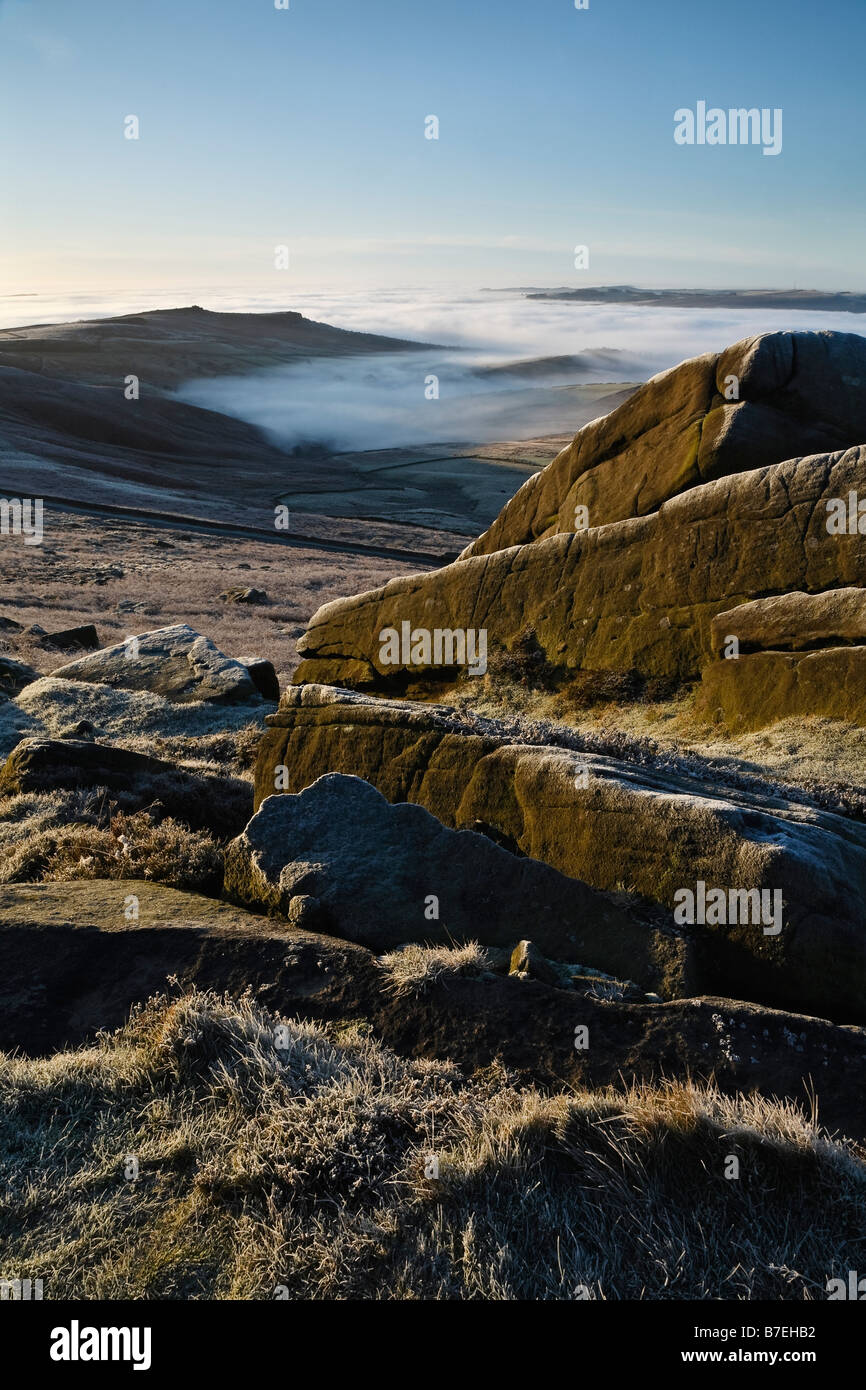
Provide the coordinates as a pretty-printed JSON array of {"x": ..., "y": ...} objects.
[
  {"x": 637, "y": 594},
  {"x": 608, "y": 823}
]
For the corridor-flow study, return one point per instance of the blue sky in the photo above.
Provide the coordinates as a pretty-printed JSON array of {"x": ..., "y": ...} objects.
[{"x": 306, "y": 127}]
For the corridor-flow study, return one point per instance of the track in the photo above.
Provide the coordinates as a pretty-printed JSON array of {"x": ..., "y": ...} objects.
[{"x": 294, "y": 539}]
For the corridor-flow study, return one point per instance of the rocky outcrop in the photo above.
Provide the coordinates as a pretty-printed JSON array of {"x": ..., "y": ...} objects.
[
  {"x": 386, "y": 874},
  {"x": 789, "y": 656},
  {"x": 174, "y": 662},
  {"x": 135, "y": 782},
  {"x": 638, "y": 594},
  {"x": 74, "y": 957},
  {"x": 763, "y": 400},
  {"x": 610, "y": 823}
]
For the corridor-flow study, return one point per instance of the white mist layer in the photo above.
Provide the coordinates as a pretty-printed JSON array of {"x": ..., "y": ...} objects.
[{"x": 379, "y": 401}]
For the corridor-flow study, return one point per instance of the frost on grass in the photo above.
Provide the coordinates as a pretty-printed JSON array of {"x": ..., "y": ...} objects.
[
  {"x": 415, "y": 969},
  {"x": 273, "y": 1155},
  {"x": 80, "y": 834}
]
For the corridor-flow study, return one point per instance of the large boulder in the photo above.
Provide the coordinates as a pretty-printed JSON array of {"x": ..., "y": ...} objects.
[
  {"x": 637, "y": 594},
  {"x": 795, "y": 655},
  {"x": 761, "y": 401},
  {"x": 386, "y": 874},
  {"x": 174, "y": 662},
  {"x": 136, "y": 782},
  {"x": 611, "y": 823},
  {"x": 74, "y": 957}
]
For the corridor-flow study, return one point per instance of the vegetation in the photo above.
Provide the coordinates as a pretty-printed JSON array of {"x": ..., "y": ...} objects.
[{"x": 292, "y": 1163}]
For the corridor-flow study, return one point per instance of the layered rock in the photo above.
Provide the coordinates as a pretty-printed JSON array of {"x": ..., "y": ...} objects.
[
  {"x": 789, "y": 656},
  {"x": 386, "y": 874},
  {"x": 608, "y": 823},
  {"x": 794, "y": 622},
  {"x": 763, "y": 400},
  {"x": 174, "y": 662},
  {"x": 637, "y": 594}
]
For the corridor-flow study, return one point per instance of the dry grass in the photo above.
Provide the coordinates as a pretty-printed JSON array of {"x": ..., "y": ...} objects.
[
  {"x": 524, "y": 668},
  {"x": 296, "y": 1162},
  {"x": 415, "y": 969},
  {"x": 74, "y": 835},
  {"x": 88, "y": 567}
]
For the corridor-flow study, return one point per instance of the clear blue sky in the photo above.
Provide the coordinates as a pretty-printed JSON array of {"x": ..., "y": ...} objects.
[{"x": 306, "y": 127}]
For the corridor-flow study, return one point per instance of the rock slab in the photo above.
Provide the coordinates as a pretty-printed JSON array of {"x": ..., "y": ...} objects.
[{"x": 386, "y": 874}]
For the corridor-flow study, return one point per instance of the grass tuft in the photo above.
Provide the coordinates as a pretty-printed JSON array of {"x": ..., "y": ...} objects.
[{"x": 271, "y": 1154}]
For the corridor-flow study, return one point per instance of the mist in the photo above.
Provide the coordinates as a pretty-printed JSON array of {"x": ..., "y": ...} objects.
[
  {"x": 386, "y": 400},
  {"x": 504, "y": 377}
]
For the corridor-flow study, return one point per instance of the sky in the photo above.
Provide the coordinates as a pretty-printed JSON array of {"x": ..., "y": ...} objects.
[{"x": 305, "y": 128}]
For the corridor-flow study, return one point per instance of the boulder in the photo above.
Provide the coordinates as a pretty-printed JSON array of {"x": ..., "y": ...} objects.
[
  {"x": 240, "y": 594},
  {"x": 136, "y": 782},
  {"x": 638, "y": 594},
  {"x": 71, "y": 638},
  {"x": 385, "y": 874},
  {"x": 607, "y": 823},
  {"x": 529, "y": 962},
  {"x": 763, "y": 400},
  {"x": 174, "y": 662}
]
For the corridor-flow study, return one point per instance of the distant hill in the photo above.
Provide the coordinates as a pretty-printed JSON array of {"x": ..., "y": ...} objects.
[
  {"x": 825, "y": 301},
  {"x": 168, "y": 346}
]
